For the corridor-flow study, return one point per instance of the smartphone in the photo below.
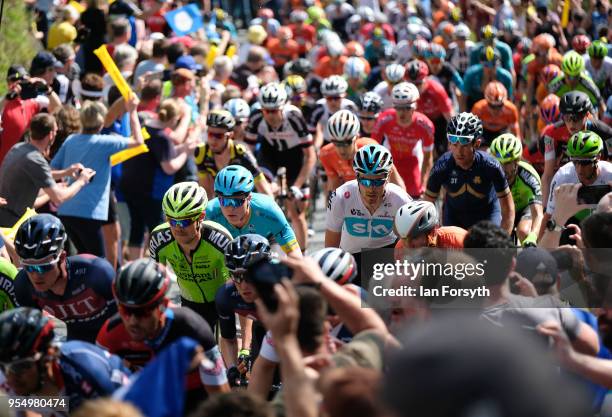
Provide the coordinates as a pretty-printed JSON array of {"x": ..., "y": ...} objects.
[
  {"x": 591, "y": 194},
  {"x": 264, "y": 275}
]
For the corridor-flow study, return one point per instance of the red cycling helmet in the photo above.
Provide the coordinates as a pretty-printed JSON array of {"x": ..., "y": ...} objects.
[{"x": 580, "y": 43}]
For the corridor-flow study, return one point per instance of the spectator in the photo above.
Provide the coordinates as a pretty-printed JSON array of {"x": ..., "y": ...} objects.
[
  {"x": 70, "y": 71},
  {"x": 63, "y": 30},
  {"x": 157, "y": 61},
  {"x": 234, "y": 404},
  {"x": 68, "y": 122}
]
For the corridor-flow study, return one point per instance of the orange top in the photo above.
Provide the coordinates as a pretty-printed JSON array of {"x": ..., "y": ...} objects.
[
  {"x": 541, "y": 93},
  {"x": 326, "y": 67},
  {"x": 282, "y": 53},
  {"x": 506, "y": 118},
  {"x": 336, "y": 167},
  {"x": 534, "y": 67},
  {"x": 445, "y": 237}
]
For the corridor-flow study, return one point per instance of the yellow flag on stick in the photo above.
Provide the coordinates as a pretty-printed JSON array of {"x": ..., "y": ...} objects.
[
  {"x": 126, "y": 154},
  {"x": 10, "y": 232},
  {"x": 113, "y": 71},
  {"x": 565, "y": 13}
]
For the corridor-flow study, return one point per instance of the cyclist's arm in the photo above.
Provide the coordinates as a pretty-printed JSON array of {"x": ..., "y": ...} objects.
[
  {"x": 537, "y": 214},
  {"x": 426, "y": 168},
  {"x": 310, "y": 158},
  {"x": 332, "y": 239},
  {"x": 227, "y": 326},
  {"x": 334, "y": 221},
  {"x": 261, "y": 184},
  {"x": 206, "y": 180},
  {"x": 395, "y": 178},
  {"x": 507, "y": 209}
]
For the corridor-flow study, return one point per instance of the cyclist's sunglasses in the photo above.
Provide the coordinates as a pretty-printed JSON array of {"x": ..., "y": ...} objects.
[
  {"x": 40, "y": 268},
  {"x": 573, "y": 117},
  {"x": 435, "y": 61},
  {"x": 20, "y": 365},
  {"x": 181, "y": 222},
  {"x": 371, "y": 183},
  {"x": 343, "y": 143},
  {"x": 216, "y": 135},
  {"x": 138, "y": 312},
  {"x": 239, "y": 276},
  {"x": 583, "y": 162},
  {"x": 463, "y": 140},
  {"x": 333, "y": 98},
  {"x": 271, "y": 111},
  {"x": 496, "y": 106},
  {"x": 231, "y": 201},
  {"x": 367, "y": 117}
]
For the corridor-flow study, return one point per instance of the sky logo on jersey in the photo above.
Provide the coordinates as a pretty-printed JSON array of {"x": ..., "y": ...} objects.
[{"x": 374, "y": 228}]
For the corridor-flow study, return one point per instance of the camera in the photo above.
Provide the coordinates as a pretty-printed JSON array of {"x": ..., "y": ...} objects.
[
  {"x": 264, "y": 275},
  {"x": 31, "y": 89}
]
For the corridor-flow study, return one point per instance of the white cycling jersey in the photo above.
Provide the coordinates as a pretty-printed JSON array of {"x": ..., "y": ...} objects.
[
  {"x": 567, "y": 175},
  {"x": 321, "y": 114},
  {"x": 346, "y": 213},
  {"x": 603, "y": 75},
  {"x": 382, "y": 89}
]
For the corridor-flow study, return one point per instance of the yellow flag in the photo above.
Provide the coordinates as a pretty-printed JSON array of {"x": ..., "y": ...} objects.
[
  {"x": 565, "y": 13},
  {"x": 231, "y": 51},
  {"x": 10, "y": 232},
  {"x": 77, "y": 6},
  {"x": 212, "y": 54},
  {"x": 126, "y": 154},
  {"x": 113, "y": 71}
]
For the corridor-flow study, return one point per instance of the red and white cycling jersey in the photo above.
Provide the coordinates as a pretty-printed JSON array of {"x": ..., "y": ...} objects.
[
  {"x": 434, "y": 101},
  {"x": 407, "y": 145}
]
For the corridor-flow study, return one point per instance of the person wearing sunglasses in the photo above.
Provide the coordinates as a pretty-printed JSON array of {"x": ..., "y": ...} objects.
[
  {"x": 237, "y": 297},
  {"x": 409, "y": 135},
  {"x": 147, "y": 323},
  {"x": 241, "y": 211},
  {"x": 479, "y": 75},
  {"x": 441, "y": 69},
  {"x": 75, "y": 289},
  {"x": 370, "y": 104},
  {"x": 220, "y": 150},
  {"x": 475, "y": 183},
  {"x": 498, "y": 114},
  {"x": 284, "y": 140},
  {"x": 36, "y": 366},
  {"x": 337, "y": 157},
  {"x": 241, "y": 111},
  {"x": 585, "y": 167},
  {"x": 193, "y": 247},
  {"x": 360, "y": 212},
  {"x": 576, "y": 115}
]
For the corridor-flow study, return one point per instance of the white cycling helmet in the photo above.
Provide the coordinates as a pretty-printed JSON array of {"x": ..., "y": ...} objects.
[
  {"x": 404, "y": 94},
  {"x": 395, "y": 73},
  {"x": 354, "y": 68},
  {"x": 343, "y": 126},
  {"x": 238, "y": 107},
  {"x": 272, "y": 96},
  {"x": 334, "y": 85},
  {"x": 336, "y": 264},
  {"x": 416, "y": 218},
  {"x": 334, "y": 45},
  {"x": 462, "y": 31}
]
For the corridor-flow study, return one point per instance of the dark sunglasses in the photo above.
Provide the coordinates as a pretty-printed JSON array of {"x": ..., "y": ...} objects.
[
  {"x": 333, "y": 98},
  {"x": 271, "y": 111},
  {"x": 239, "y": 276},
  {"x": 41, "y": 268},
  {"x": 138, "y": 312},
  {"x": 216, "y": 135},
  {"x": 342, "y": 143},
  {"x": 367, "y": 117},
  {"x": 463, "y": 140},
  {"x": 495, "y": 106},
  {"x": 20, "y": 365},
  {"x": 231, "y": 201},
  {"x": 573, "y": 117},
  {"x": 371, "y": 183},
  {"x": 584, "y": 162},
  {"x": 181, "y": 222},
  {"x": 488, "y": 64}
]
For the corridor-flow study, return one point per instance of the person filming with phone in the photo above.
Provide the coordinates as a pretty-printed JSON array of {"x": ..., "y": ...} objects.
[{"x": 585, "y": 167}]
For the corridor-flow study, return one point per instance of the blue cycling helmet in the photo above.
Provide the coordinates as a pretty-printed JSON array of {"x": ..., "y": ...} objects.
[
  {"x": 234, "y": 180},
  {"x": 373, "y": 160},
  {"x": 40, "y": 237},
  {"x": 238, "y": 107}
]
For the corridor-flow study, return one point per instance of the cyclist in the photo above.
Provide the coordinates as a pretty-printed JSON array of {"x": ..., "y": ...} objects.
[
  {"x": 585, "y": 167},
  {"x": 525, "y": 185},
  {"x": 418, "y": 226},
  {"x": 298, "y": 95},
  {"x": 34, "y": 365},
  {"x": 241, "y": 111},
  {"x": 75, "y": 289},
  {"x": 433, "y": 101},
  {"x": 8, "y": 272},
  {"x": 498, "y": 114},
  {"x": 146, "y": 324},
  {"x": 574, "y": 78},
  {"x": 459, "y": 51},
  {"x": 334, "y": 98},
  {"x": 476, "y": 187},
  {"x": 599, "y": 65},
  {"x": 543, "y": 55},
  {"x": 409, "y": 136},
  {"x": 478, "y": 76},
  {"x": 546, "y": 75},
  {"x": 575, "y": 108},
  {"x": 370, "y": 104},
  {"x": 220, "y": 150},
  {"x": 549, "y": 111},
  {"x": 443, "y": 71},
  {"x": 337, "y": 157},
  {"x": 241, "y": 211},
  {"x": 392, "y": 75},
  {"x": 488, "y": 40},
  {"x": 285, "y": 141},
  {"x": 193, "y": 247},
  {"x": 360, "y": 212},
  {"x": 355, "y": 73}
]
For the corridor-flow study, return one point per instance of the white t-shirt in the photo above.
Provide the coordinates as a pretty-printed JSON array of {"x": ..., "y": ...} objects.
[
  {"x": 603, "y": 73},
  {"x": 346, "y": 213},
  {"x": 567, "y": 175}
]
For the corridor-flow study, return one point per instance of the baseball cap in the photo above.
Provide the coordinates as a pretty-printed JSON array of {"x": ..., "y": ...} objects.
[
  {"x": 44, "y": 60},
  {"x": 538, "y": 266},
  {"x": 16, "y": 72},
  {"x": 187, "y": 62},
  {"x": 183, "y": 73}
]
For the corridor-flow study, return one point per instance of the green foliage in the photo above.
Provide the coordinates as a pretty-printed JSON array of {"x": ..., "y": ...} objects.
[{"x": 17, "y": 43}]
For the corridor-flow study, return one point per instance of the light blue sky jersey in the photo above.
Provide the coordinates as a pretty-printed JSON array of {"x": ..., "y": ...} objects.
[
  {"x": 93, "y": 151},
  {"x": 267, "y": 219}
]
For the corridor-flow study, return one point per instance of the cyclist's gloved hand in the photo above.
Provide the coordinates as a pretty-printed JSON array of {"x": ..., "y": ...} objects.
[
  {"x": 531, "y": 240},
  {"x": 233, "y": 376},
  {"x": 296, "y": 192}
]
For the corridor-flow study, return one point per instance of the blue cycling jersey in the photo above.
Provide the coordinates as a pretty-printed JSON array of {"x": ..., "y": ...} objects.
[
  {"x": 471, "y": 195},
  {"x": 229, "y": 303},
  {"x": 266, "y": 219}
]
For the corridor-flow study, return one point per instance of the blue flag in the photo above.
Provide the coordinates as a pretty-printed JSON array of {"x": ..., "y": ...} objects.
[
  {"x": 185, "y": 20},
  {"x": 158, "y": 390}
]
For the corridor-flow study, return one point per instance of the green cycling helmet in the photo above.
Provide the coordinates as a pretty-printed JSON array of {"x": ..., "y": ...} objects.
[
  {"x": 598, "y": 49},
  {"x": 506, "y": 148},
  {"x": 572, "y": 64},
  {"x": 185, "y": 200},
  {"x": 584, "y": 145}
]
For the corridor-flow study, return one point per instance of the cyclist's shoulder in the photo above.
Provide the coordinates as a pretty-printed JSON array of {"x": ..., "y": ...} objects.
[
  {"x": 485, "y": 159},
  {"x": 394, "y": 192},
  {"x": 216, "y": 234},
  {"x": 387, "y": 116},
  {"x": 328, "y": 152},
  {"x": 161, "y": 237},
  {"x": 526, "y": 166},
  {"x": 363, "y": 141},
  {"x": 7, "y": 269}
]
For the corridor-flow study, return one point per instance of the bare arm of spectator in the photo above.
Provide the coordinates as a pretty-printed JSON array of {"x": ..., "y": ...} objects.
[
  {"x": 181, "y": 131},
  {"x": 566, "y": 205},
  {"x": 131, "y": 106},
  {"x": 115, "y": 111},
  {"x": 262, "y": 377},
  {"x": 182, "y": 153},
  {"x": 58, "y": 194},
  {"x": 72, "y": 171}
]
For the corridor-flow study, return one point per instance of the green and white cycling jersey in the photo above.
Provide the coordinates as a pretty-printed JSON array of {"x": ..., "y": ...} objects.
[
  {"x": 7, "y": 287},
  {"x": 527, "y": 187},
  {"x": 199, "y": 279},
  {"x": 559, "y": 87}
]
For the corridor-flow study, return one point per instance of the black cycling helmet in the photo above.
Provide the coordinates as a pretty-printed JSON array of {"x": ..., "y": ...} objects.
[
  {"x": 575, "y": 102},
  {"x": 465, "y": 124},
  {"x": 39, "y": 237},
  {"x": 300, "y": 66},
  {"x": 371, "y": 102},
  {"x": 24, "y": 331},
  {"x": 246, "y": 250},
  {"x": 141, "y": 283}
]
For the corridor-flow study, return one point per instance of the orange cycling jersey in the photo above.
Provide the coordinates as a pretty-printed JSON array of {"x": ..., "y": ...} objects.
[
  {"x": 534, "y": 68},
  {"x": 445, "y": 237},
  {"x": 336, "y": 167},
  {"x": 327, "y": 67},
  {"x": 283, "y": 52},
  {"x": 499, "y": 120}
]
